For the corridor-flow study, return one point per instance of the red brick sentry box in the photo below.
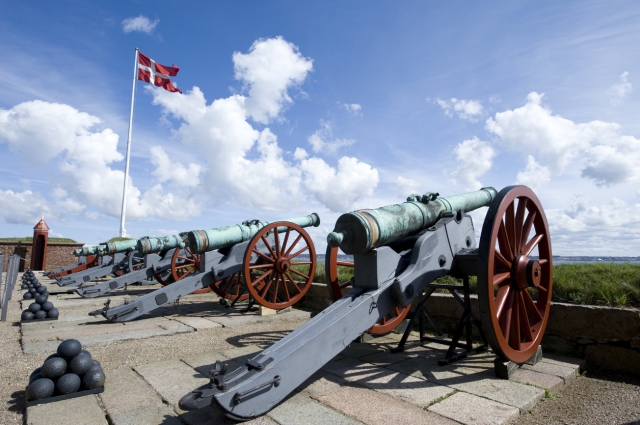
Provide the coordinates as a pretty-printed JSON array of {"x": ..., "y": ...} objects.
[{"x": 58, "y": 253}]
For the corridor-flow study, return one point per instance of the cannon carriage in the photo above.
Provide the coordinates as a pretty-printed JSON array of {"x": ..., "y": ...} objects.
[
  {"x": 258, "y": 262},
  {"x": 398, "y": 252}
]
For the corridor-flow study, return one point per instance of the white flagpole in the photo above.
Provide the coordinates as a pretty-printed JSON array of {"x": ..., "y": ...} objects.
[{"x": 123, "y": 232}]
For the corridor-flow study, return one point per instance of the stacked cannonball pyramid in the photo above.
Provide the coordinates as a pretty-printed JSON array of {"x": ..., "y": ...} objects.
[
  {"x": 40, "y": 308},
  {"x": 70, "y": 370}
]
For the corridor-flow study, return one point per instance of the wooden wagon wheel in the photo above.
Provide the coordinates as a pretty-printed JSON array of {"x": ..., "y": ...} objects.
[
  {"x": 165, "y": 278},
  {"x": 384, "y": 325},
  {"x": 514, "y": 287},
  {"x": 231, "y": 287},
  {"x": 271, "y": 280},
  {"x": 185, "y": 263}
]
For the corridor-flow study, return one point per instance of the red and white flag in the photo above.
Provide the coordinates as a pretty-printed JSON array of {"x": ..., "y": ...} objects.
[{"x": 154, "y": 73}]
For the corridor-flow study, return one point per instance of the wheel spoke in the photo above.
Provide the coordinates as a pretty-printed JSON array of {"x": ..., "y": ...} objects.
[
  {"x": 530, "y": 305},
  {"x": 266, "y": 288},
  {"x": 306, "y": 248},
  {"x": 284, "y": 285},
  {"x": 344, "y": 263},
  {"x": 503, "y": 295},
  {"x": 301, "y": 263},
  {"x": 505, "y": 263},
  {"x": 266, "y": 243},
  {"x": 275, "y": 292},
  {"x": 293, "y": 245},
  {"x": 185, "y": 266},
  {"x": 510, "y": 226},
  {"x": 505, "y": 316},
  {"x": 276, "y": 239},
  {"x": 526, "y": 250},
  {"x": 522, "y": 205},
  {"x": 286, "y": 238},
  {"x": 266, "y": 257},
  {"x": 500, "y": 277},
  {"x": 261, "y": 278},
  {"x": 543, "y": 261},
  {"x": 515, "y": 324},
  {"x": 526, "y": 228},
  {"x": 261, "y": 266},
  {"x": 300, "y": 274},
  {"x": 503, "y": 240},
  {"x": 293, "y": 282},
  {"x": 524, "y": 319}
]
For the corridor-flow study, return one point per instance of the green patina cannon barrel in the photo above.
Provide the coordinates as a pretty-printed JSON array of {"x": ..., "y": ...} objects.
[
  {"x": 89, "y": 250},
  {"x": 149, "y": 245},
  {"x": 222, "y": 237},
  {"x": 119, "y": 246},
  {"x": 360, "y": 231}
]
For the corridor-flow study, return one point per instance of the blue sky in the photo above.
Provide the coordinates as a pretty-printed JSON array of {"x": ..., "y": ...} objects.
[{"x": 293, "y": 107}]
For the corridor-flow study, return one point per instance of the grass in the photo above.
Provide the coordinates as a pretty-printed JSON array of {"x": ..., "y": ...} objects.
[
  {"x": 29, "y": 239},
  {"x": 607, "y": 284},
  {"x": 118, "y": 239}
]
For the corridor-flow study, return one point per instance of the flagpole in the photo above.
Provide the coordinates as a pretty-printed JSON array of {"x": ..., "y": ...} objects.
[{"x": 123, "y": 232}]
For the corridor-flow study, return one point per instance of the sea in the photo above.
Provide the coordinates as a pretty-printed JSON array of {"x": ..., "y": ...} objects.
[{"x": 557, "y": 259}]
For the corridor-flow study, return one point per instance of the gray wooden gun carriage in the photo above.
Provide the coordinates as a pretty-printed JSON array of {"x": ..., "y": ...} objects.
[
  {"x": 85, "y": 261},
  {"x": 255, "y": 261},
  {"x": 398, "y": 252}
]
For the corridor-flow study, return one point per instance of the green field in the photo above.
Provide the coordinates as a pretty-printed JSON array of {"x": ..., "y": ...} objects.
[{"x": 595, "y": 284}]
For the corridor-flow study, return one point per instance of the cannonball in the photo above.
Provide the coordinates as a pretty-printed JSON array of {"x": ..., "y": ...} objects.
[
  {"x": 68, "y": 383},
  {"x": 41, "y": 289},
  {"x": 46, "y": 294},
  {"x": 69, "y": 348},
  {"x": 33, "y": 290},
  {"x": 80, "y": 364},
  {"x": 93, "y": 379},
  {"x": 39, "y": 389},
  {"x": 35, "y": 372},
  {"x": 35, "y": 377},
  {"x": 40, "y": 314},
  {"x": 33, "y": 307},
  {"x": 52, "y": 356},
  {"x": 53, "y": 313},
  {"x": 54, "y": 367},
  {"x": 26, "y": 315},
  {"x": 47, "y": 305},
  {"x": 27, "y": 296},
  {"x": 41, "y": 299},
  {"x": 95, "y": 365},
  {"x": 37, "y": 285},
  {"x": 24, "y": 286}
]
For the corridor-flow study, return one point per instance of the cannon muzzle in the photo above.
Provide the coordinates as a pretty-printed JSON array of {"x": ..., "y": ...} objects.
[
  {"x": 360, "y": 231},
  {"x": 149, "y": 245},
  {"x": 223, "y": 237}
]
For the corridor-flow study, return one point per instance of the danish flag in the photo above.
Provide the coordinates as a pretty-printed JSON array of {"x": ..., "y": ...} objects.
[{"x": 156, "y": 74}]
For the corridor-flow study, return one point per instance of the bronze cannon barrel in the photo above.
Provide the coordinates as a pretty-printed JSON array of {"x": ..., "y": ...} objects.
[
  {"x": 89, "y": 250},
  {"x": 359, "y": 231},
  {"x": 222, "y": 237},
  {"x": 149, "y": 245},
  {"x": 119, "y": 246}
]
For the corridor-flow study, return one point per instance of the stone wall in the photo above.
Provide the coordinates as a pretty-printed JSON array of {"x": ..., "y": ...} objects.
[
  {"x": 606, "y": 337},
  {"x": 58, "y": 254}
]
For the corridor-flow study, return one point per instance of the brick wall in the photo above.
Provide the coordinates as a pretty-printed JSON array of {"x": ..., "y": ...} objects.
[{"x": 58, "y": 254}]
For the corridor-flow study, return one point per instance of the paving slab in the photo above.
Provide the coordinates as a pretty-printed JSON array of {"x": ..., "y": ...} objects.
[
  {"x": 565, "y": 361},
  {"x": 75, "y": 411},
  {"x": 514, "y": 394},
  {"x": 302, "y": 409},
  {"x": 234, "y": 320},
  {"x": 69, "y": 301},
  {"x": 172, "y": 379},
  {"x": 126, "y": 391},
  {"x": 154, "y": 415},
  {"x": 469, "y": 409},
  {"x": 565, "y": 371},
  {"x": 373, "y": 408},
  {"x": 319, "y": 383},
  {"x": 549, "y": 382},
  {"x": 198, "y": 323}
]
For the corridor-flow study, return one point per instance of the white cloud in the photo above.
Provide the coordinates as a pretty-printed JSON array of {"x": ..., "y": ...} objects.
[
  {"x": 607, "y": 155},
  {"x": 407, "y": 186},
  {"x": 320, "y": 141},
  {"x": 140, "y": 23},
  {"x": 466, "y": 109},
  {"x": 534, "y": 175},
  {"x": 619, "y": 91},
  {"x": 352, "y": 108},
  {"x": 475, "y": 158},
  {"x": 339, "y": 189},
  {"x": 170, "y": 170},
  {"x": 270, "y": 68},
  {"x": 23, "y": 207}
]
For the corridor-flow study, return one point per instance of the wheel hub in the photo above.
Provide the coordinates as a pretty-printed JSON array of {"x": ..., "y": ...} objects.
[
  {"x": 526, "y": 272},
  {"x": 282, "y": 265}
]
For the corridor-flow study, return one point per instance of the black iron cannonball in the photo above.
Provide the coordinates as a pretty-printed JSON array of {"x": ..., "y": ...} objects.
[
  {"x": 53, "y": 313},
  {"x": 54, "y": 367},
  {"x": 39, "y": 389},
  {"x": 46, "y": 294},
  {"x": 93, "y": 379},
  {"x": 41, "y": 299},
  {"x": 35, "y": 377},
  {"x": 41, "y": 289},
  {"x": 24, "y": 286},
  {"x": 34, "y": 373},
  {"x": 68, "y": 383},
  {"x": 33, "y": 307},
  {"x": 52, "y": 356},
  {"x": 40, "y": 315},
  {"x": 80, "y": 364},
  {"x": 69, "y": 348},
  {"x": 33, "y": 290},
  {"x": 47, "y": 306},
  {"x": 27, "y": 296},
  {"x": 37, "y": 284},
  {"x": 26, "y": 315}
]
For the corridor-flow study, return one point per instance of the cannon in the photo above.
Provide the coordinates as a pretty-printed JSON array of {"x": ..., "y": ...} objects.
[
  {"x": 398, "y": 252},
  {"x": 256, "y": 261},
  {"x": 161, "y": 259},
  {"x": 87, "y": 258},
  {"x": 115, "y": 259}
]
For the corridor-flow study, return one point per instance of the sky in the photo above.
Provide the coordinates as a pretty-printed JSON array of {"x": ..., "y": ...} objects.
[{"x": 290, "y": 108}]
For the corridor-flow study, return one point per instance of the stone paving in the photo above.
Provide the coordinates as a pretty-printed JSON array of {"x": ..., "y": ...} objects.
[{"x": 365, "y": 384}]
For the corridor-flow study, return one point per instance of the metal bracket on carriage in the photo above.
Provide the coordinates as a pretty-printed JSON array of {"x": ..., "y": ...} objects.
[
  {"x": 103, "y": 310},
  {"x": 425, "y": 199}
]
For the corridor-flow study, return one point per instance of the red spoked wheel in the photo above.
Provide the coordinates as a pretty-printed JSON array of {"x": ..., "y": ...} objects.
[
  {"x": 514, "y": 287},
  {"x": 335, "y": 285},
  {"x": 185, "y": 263},
  {"x": 165, "y": 278},
  {"x": 231, "y": 287},
  {"x": 272, "y": 279}
]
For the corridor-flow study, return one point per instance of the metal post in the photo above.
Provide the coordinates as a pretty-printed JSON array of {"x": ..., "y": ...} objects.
[{"x": 123, "y": 232}]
